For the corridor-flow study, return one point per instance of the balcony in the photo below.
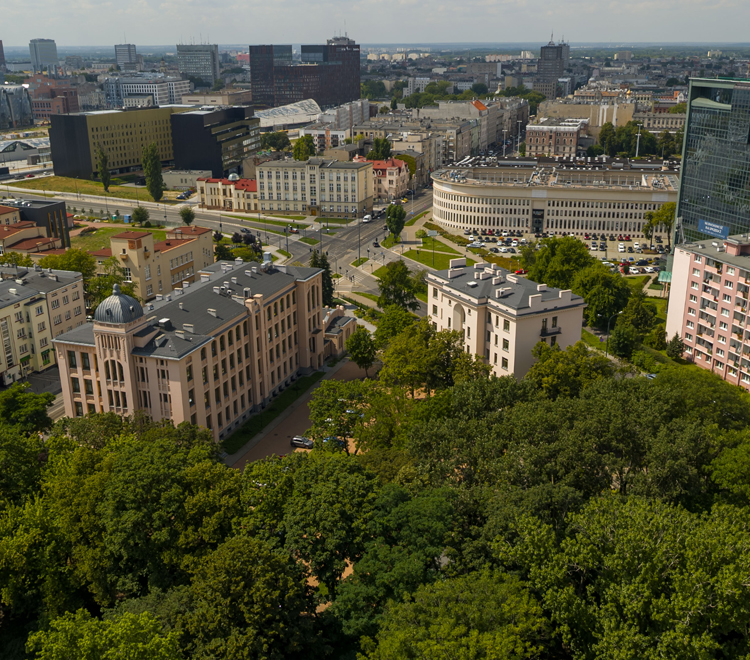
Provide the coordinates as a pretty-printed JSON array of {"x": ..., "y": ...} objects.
[{"x": 548, "y": 332}]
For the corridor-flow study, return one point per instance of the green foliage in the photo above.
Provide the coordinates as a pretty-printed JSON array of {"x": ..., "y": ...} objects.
[
  {"x": 187, "y": 215},
  {"x": 100, "y": 287},
  {"x": 16, "y": 259},
  {"x": 278, "y": 141},
  {"x": 25, "y": 410},
  {"x": 397, "y": 287},
  {"x": 395, "y": 319},
  {"x": 361, "y": 348},
  {"x": 534, "y": 98},
  {"x": 304, "y": 147},
  {"x": 151, "y": 163},
  {"x": 675, "y": 347},
  {"x": 657, "y": 338},
  {"x": 624, "y": 140},
  {"x": 480, "y": 89},
  {"x": 679, "y": 109},
  {"x": 623, "y": 340},
  {"x": 559, "y": 260},
  {"x": 81, "y": 636},
  {"x": 395, "y": 219},
  {"x": 381, "y": 149},
  {"x": 638, "y": 314},
  {"x": 566, "y": 373},
  {"x": 373, "y": 90},
  {"x": 605, "y": 293},
  {"x": 102, "y": 166},
  {"x": 320, "y": 260},
  {"x": 73, "y": 259},
  {"x": 141, "y": 215}
]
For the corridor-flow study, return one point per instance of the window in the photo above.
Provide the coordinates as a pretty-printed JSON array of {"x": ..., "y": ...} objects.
[
  {"x": 693, "y": 298},
  {"x": 72, "y": 362},
  {"x": 554, "y": 321},
  {"x": 504, "y": 364},
  {"x": 75, "y": 385},
  {"x": 506, "y": 345},
  {"x": 39, "y": 310},
  {"x": 506, "y": 325},
  {"x": 694, "y": 285}
]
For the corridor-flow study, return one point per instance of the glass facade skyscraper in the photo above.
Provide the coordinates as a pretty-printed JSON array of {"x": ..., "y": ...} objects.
[{"x": 714, "y": 197}]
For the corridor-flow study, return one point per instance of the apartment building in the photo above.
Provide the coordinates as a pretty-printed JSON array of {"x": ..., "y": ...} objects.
[
  {"x": 391, "y": 177},
  {"x": 162, "y": 90},
  {"x": 555, "y": 137},
  {"x": 708, "y": 305},
  {"x": 222, "y": 97},
  {"x": 25, "y": 237},
  {"x": 229, "y": 194},
  {"x": 316, "y": 187},
  {"x": 210, "y": 353},
  {"x": 199, "y": 61},
  {"x": 554, "y": 195},
  {"x": 35, "y": 306},
  {"x": 158, "y": 267},
  {"x": 9, "y": 215},
  {"x": 502, "y": 316}
]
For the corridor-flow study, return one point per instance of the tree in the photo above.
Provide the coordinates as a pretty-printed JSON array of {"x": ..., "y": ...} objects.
[
  {"x": 187, "y": 215},
  {"x": 100, "y": 287},
  {"x": 102, "y": 166},
  {"x": 522, "y": 149},
  {"x": 663, "y": 220},
  {"x": 678, "y": 109},
  {"x": 141, "y": 215},
  {"x": 20, "y": 462},
  {"x": 320, "y": 260},
  {"x": 605, "y": 293},
  {"x": 218, "y": 84},
  {"x": 638, "y": 314},
  {"x": 361, "y": 348},
  {"x": 480, "y": 89},
  {"x": 16, "y": 259},
  {"x": 566, "y": 373},
  {"x": 248, "y": 600},
  {"x": 80, "y": 635},
  {"x": 277, "y": 141},
  {"x": 151, "y": 163},
  {"x": 396, "y": 287},
  {"x": 479, "y": 616},
  {"x": 381, "y": 149},
  {"x": 304, "y": 147},
  {"x": 675, "y": 347},
  {"x": 223, "y": 253},
  {"x": 559, "y": 260},
  {"x": 384, "y": 110},
  {"x": 237, "y": 238},
  {"x": 623, "y": 340},
  {"x": 395, "y": 219},
  {"x": 24, "y": 409},
  {"x": 394, "y": 321},
  {"x": 73, "y": 259}
]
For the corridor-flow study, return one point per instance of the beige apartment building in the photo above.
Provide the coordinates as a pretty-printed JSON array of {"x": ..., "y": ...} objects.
[
  {"x": 26, "y": 237},
  {"x": 228, "y": 194},
  {"x": 561, "y": 196},
  {"x": 554, "y": 137},
  {"x": 391, "y": 177},
  {"x": 158, "y": 267},
  {"x": 222, "y": 97},
  {"x": 35, "y": 306},
  {"x": 316, "y": 186},
  {"x": 9, "y": 215},
  {"x": 210, "y": 353},
  {"x": 502, "y": 316}
]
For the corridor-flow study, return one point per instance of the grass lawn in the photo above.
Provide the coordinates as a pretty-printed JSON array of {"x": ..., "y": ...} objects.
[
  {"x": 289, "y": 217},
  {"x": 369, "y": 296},
  {"x": 661, "y": 308},
  {"x": 441, "y": 260},
  {"x": 258, "y": 422},
  {"x": 389, "y": 241},
  {"x": 262, "y": 221},
  {"x": 309, "y": 241},
  {"x": 100, "y": 238},
  {"x": 592, "y": 340},
  {"x": 334, "y": 221},
  {"x": 66, "y": 184},
  {"x": 421, "y": 296},
  {"x": 358, "y": 262},
  {"x": 429, "y": 242},
  {"x": 411, "y": 222},
  {"x": 284, "y": 253},
  {"x": 380, "y": 272},
  {"x": 636, "y": 282}
]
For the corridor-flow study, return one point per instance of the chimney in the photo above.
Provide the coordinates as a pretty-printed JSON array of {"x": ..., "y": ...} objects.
[
  {"x": 541, "y": 287},
  {"x": 179, "y": 304}
]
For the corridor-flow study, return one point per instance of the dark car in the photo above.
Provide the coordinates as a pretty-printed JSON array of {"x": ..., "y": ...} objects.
[
  {"x": 301, "y": 441},
  {"x": 375, "y": 244},
  {"x": 630, "y": 248},
  {"x": 245, "y": 230}
]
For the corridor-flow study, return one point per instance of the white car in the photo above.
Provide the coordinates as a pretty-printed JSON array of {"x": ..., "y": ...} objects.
[
  {"x": 505, "y": 233},
  {"x": 503, "y": 249},
  {"x": 636, "y": 245},
  {"x": 594, "y": 247},
  {"x": 366, "y": 219},
  {"x": 514, "y": 243},
  {"x": 650, "y": 269},
  {"x": 477, "y": 244}
]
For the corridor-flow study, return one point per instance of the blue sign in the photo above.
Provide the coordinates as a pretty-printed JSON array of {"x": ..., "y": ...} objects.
[{"x": 713, "y": 229}]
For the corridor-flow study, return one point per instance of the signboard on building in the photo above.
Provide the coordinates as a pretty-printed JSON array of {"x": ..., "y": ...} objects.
[{"x": 713, "y": 229}]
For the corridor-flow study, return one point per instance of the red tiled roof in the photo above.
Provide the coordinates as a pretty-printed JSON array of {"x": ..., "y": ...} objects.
[
  {"x": 387, "y": 164},
  {"x": 7, "y": 209},
  {"x": 29, "y": 243},
  {"x": 250, "y": 185},
  {"x": 6, "y": 231},
  {"x": 132, "y": 235},
  {"x": 164, "y": 246},
  {"x": 479, "y": 105},
  {"x": 190, "y": 232},
  {"x": 104, "y": 252}
]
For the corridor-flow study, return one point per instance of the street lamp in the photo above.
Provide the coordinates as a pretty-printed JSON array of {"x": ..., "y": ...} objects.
[
  {"x": 606, "y": 351},
  {"x": 638, "y": 141},
  {"x": 505, "y": 132},
  {"x": 518, "y": 137}
]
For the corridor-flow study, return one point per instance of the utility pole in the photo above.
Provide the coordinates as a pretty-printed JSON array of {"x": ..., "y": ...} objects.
[{"x": 638, "y": 141}]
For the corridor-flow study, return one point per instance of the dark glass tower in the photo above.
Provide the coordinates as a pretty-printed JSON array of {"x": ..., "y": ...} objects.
[{"x": 714, "y": 197}]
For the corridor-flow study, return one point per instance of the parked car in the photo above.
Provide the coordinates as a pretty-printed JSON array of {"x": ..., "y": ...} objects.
[
  {"x": 521, "y": 271},
  {"x": 503, "y": 250},
  {"x": 494, "y": 249},
  {"x": 649, "y": 269},
  {"x": 512, "y": 250},
  {"x": 302, "y": 441}
]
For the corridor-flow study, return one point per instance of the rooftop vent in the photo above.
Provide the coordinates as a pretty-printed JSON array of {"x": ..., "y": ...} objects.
[
  {"x": 179, "y": 305},
  {"x": 217, "y": 289},
  {"x": 165, "y": 324},
  {"x": 212, "y": 312},
  {"x": 188, "y": 327},
  {"x": 471, "y": 284}
]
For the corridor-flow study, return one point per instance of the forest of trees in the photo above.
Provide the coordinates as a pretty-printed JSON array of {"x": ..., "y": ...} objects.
[{"x": 579, "y": 513}]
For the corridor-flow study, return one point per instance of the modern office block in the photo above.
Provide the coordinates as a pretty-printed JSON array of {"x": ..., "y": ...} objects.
[
  {"x": 43, "y": 54},
  {"x": 199, "y": 61}
]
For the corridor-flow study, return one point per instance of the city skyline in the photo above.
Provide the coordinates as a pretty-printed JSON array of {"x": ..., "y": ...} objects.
[{"x": 693, "y": 21}]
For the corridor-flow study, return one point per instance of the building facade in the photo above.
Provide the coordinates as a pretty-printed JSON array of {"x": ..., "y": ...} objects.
[
  {"x": 316, "y": 187},
  {"x": 555, "y": 137},
  {"x": 122, "y": 134},
  {"x": 163, "y": 90},
  {"x": 199, "y": 61},
  {"x": 551, "y": 67},
  {"x": 328, "y": 74},
  {"x": 36, "y": 305},
  {"x": 217, "y": 140},
  {"x": 502, "y": 316},
  {"x": 714, "y": 199},
  {"x": 391, "y": 178},
  {"x": 553, "y": 195},
  {"x": 708, "y": 305},
  {"x": 50, "y": 215},
  {"x": 16, "y": 108},
  {"x": 183, "y": 179},
  {"x": 222, "y": 97},
  {"x": 126, "y": 56},
  {"x": 228, "y": 194},
  {"x": 211, "y": 353},
  {"x": 43, "y": 55}
]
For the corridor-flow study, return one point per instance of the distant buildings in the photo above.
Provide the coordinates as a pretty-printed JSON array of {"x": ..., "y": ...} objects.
[
  {"x": 714, "y": 199},
  {"x": 2, "y": 57},
  {"x": 15, "y": 107},
  {"x": 391, "y": 178},
  {"x": 43, "y": 55},
  {"x": 555, "y": 137},
  {"x": 51, "y": 96},
  {"x": 551, "y": 67},
  {"x": 500, "y": 316},
  {"x": 200, "y": 62},
  {"x": 222, "y": 97},
  {"x": 162, "y": 90},
  {"x": 228, "y": 194},
  {"x": 328, "y": 74},
  {"x": 50, "y": 215},
  {"x": 126, "y": 57}
]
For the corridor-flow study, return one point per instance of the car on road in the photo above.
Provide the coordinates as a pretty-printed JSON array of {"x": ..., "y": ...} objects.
[
  {"x": 375, "y": 243},
  {"x": 245, "y": 230},
  {"x": 293, "y": 230},
  {"x": 29, "y": 176},
  {"x": 366, "y": 219},
  {"x": 302, "y": 441},
  {"x": 404, "y": 200}
]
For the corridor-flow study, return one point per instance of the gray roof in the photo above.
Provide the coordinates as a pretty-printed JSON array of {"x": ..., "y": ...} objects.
[
  {"x": 466, "y": 280},
  {"x": 710, "y": 248},
  {"x": 43, "y": 280},
  {"x": 83, "y": 334},
  {"x": 21, "y": 293},
  {"x": 321, "y": 162},
  {"x": 118, "y": 308}
]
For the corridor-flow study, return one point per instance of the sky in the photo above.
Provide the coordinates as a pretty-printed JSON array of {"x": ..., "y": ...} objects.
[{"x": 154, "y": 22}]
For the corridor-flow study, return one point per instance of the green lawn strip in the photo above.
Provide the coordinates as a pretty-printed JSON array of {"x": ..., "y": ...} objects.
[
  {"x": 439, "y": 246},
  {"x": 636, "y": 282},
  {"x": 592, "y": 340},
  {"x": 421, "y": 296},
  {"x": 655, "y": 287},
  {"x": 369, "y": 296},
  {"x": 334, "y": 221},
  {"x": 380, "y": 271},
  {"x": 309, "y": 241},
  {"x": 358, "y": 262},
  {"x": 258, "y": 422},
  {"x": 389, "y": 241},
  {"x": 440, "y": 260},
  {"x": 411, "y": 222},
  {"x": 100, "y": 238},
  {"x": 290, "y": 217},
  {"x": 660, "y": 305},
  {"x": 84, "y": 187},
  {"x": 265, "y": 221},
  {"x": 284, "y": 253}
]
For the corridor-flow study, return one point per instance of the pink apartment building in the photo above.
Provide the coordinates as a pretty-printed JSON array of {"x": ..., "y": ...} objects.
[
  {"x": 708, "y": 305},
  {"x": 210, "y": 352}
]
